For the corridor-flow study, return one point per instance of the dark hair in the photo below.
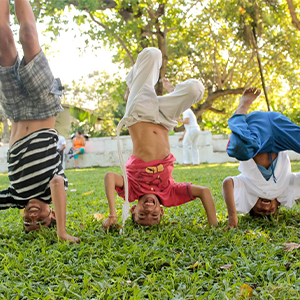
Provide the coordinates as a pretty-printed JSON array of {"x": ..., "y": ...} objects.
[
  {"x": 251, "y": 213},
  {"x": 254, "y": 215},
  {"x": 51, "y": 225},
  {"x": 79, "y": 131},
  {"x": 133, "y": 218}
]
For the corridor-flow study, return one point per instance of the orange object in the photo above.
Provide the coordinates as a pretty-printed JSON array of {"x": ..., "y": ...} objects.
[{"x": 78, "y": 143}]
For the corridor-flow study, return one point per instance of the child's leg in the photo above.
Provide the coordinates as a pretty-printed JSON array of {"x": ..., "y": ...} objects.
[
  {"x": 244, "y": 141},
  {"x": 142, "y": 99},
  {"x": 8, "y": 51},
  {"x": 28, "y": 33},
  {"x": 183, "y": 97},
  {"x": 194, "y": 135},
  {"x": 186, "y": 148}
]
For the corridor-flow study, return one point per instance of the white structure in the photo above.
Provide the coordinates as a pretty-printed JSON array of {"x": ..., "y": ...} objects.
[{"x": 103, "y": 152}]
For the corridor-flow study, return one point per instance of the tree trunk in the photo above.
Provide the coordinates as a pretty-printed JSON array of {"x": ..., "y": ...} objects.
[{"x": 6, "y": 133}]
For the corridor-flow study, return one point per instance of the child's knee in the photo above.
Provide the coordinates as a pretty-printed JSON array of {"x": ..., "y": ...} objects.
[
  {"x": 6, "y": 37},
  {"x": 195, "y": 89},
  {"x": 56, "y": 180},
  {"x": 152, "y": 54},
  {"x": 239, "y": 151},
  {"x": 28, "y": 34}
]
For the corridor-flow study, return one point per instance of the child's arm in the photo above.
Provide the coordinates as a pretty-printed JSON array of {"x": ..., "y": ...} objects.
[
  {"x": 229, "y": 199},
  {"x": 111, "y": 181},
  {"x": 59, "y": 200},
  {"x": 208, "y": 202}
]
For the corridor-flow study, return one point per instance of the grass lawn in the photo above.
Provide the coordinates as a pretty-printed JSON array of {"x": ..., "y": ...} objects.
[{"x": 181, "y": 259}]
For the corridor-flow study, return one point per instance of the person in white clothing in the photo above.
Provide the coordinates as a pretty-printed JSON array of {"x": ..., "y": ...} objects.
[
  {"x": 266, "y": 181},
  {"x": 61, "y": 146},
  {"x": 190, "y": 137}
]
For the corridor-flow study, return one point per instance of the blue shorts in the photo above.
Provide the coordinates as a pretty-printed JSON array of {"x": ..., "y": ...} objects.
[
  {"x": 30, "y": 92},
  {"x": 81, "y": 152},
  {"x": 261, "y": 132}
]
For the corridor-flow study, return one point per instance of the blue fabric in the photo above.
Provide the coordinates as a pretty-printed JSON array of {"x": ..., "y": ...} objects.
[
  {"x": 261, "y": 132},
  {"x": 267, "y": 173}
]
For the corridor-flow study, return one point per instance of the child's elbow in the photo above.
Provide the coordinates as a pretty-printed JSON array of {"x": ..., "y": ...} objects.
[{"x": 57, "y": 180}]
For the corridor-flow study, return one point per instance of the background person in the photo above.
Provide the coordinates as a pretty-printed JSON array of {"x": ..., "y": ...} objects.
[
  {"x": 61, "y": 146},
  {"x": 190, "y": 138},
  {"x": 78, "y": 143}
]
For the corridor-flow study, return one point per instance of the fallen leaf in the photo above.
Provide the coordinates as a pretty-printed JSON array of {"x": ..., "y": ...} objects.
[
  {"x": 98, "y": 216},
  {"x": 246, "y": 291},
  {"x": 226, "y": 267},
  {"x": 128, "y": 281},
  {"x": 195, "y": 265},
  {"x": 81, "y": 226},
  {"x": 290, "y": 246},
  {"x": 87, "y": 193}
]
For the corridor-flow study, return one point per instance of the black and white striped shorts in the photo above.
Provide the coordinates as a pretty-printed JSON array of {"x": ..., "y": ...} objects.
[{"x": 32, "y": 163}]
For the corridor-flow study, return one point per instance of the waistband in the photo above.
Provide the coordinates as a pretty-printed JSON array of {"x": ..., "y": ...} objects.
[{"x": 33, "y": 135}]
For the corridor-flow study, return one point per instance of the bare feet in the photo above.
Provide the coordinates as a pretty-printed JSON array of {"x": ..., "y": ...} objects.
[
  {"x": 168, "y": 86},
  {"x": 126, "y": 94},
  {"x": 249, "y": 95}
]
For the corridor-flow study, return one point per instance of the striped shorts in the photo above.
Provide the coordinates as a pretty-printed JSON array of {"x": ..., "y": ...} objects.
[{"x": 32, "y": 163}]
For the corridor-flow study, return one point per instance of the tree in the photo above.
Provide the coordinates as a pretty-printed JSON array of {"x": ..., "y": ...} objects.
[
  {"x": 199, "y": 40},
  {"x": 294, "y": 17},
  {"x": 98, "y": 97}
]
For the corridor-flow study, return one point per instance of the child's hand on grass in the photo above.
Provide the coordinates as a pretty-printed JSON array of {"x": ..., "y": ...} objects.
[
  {"x": 232, "y": 222},
  {"x": 109, "y": 221}
]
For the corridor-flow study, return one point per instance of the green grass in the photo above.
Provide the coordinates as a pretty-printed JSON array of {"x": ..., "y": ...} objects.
[{"x": 151, "y": 263}]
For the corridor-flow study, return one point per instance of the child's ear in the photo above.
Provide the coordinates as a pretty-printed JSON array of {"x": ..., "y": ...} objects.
[
  {"x": 162, "y": 211},
  {"x": 132, "y": 209}
]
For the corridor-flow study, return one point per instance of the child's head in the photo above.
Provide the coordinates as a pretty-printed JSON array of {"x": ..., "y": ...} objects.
[
  {"x": 148, "y": 211},
  {"x": 264, "y": 207},
  {"x": 36, "y": 214}
]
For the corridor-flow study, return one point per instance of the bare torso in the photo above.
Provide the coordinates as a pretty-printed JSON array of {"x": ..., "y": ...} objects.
[
  {"x": 150, "y": 141},
  {"x": 23, "y": 128},
  {"x": 263, "y": 159}
]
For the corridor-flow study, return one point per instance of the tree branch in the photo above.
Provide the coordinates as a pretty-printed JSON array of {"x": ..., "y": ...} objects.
[
  {"x": 116, "y": 37},
  {"x": 207, "y": 104},
  {"x": 295, "y": 20}
]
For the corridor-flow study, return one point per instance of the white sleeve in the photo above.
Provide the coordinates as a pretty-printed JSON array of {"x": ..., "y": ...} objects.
[
  {"x": 244, "y": 201},
  {"x": 295, "y": 188}
]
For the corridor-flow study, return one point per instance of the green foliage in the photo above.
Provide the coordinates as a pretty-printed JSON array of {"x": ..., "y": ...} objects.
[
  {"x": 208, "y": 40},
  {"x": 97, "y": 98},
  {"x": 154, "y": 263}
]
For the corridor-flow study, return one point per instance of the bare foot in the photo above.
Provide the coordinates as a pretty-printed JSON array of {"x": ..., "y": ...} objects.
[
  {"x": 249, "y": 95},
  {"x": 168, "y": 86},
  {"x": 126, "y": 94}
]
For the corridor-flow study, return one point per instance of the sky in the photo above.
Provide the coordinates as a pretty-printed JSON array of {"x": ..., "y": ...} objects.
[{"x": 67, "y": 61}]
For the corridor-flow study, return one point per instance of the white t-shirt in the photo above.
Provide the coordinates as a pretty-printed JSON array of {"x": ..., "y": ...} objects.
[
  {"x": 193, "y": 120},
  {"x": 251, "y": 185},
  {"x": 61, "y": 142}
]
